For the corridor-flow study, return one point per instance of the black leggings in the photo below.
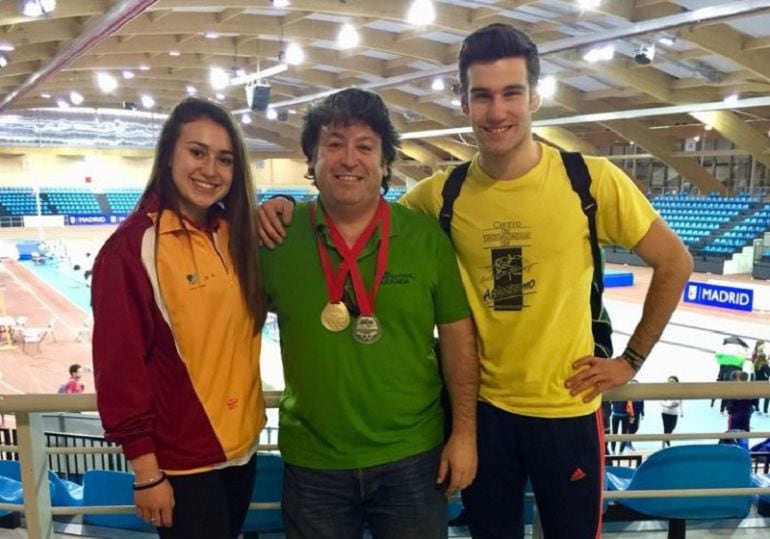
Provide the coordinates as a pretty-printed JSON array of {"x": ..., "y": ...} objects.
[
  {"x": 211, "y": 504},
  {"x": 625, "y": 427},
  {"x": 762, "y": 375},
  {"x": 669, "y": 424}
]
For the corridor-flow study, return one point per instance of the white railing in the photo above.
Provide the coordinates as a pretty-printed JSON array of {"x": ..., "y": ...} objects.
[{"x": 33, "y": 453}]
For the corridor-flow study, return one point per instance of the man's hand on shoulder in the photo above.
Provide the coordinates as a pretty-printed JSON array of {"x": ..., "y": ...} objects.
[
  {"x": 595, "y": 374},
  {"x": 273, "y": 216}
]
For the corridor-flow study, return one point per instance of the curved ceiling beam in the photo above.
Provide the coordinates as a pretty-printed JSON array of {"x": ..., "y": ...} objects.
[{"x": 113, "y": 20}]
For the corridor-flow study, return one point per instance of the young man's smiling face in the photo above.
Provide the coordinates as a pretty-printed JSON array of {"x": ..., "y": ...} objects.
[{"x": 500, "y": 103}]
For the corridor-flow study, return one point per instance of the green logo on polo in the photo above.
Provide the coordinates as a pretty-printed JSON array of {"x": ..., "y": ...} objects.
[{"x": 397, "y": 278}]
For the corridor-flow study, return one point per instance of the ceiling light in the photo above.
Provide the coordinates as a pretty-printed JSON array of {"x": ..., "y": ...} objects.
[
  {"x": 128, "y": 74},
  {"x": 76, "y": 98},
  {"x": 731, "y": 99},
  {"x": 3, "y": 61},
  {"x": 546, "y": 87},
  {"x": 219, "y": 78},
  {"x": 589, "y": 4},
  {"x": 174, "y": 52},
  {"x": 36, "y": 8},
  {"x": 45, "y": 95},
  {"x": 271, "y": 113},
  {"x": 348, "y": 37},
  {"x": 191, "y": 89},
  {"x": 147, "y": 101},
  {"x": 280, "y": 3},
  {"x": 437, "y": 85},
  {"x": 106, "y": 82},
  {"x": 219, "y": 96},
  {"x": 246, "y": 119},
  {"x": 421, "y": 13},
  {"x": 211, "y": 35},
  {"x": 696, "y": 138},
  {"x": 62, "y": 104},
  {"x": 668, "y": 41},
  {"x": 144, "y": 67},
  {"x": 600, "y": 54},
  {"x": 708, "y": 127},
  {"x": 294, "y": 54},
  {"x": 7, "y": 46},
  {"x": 643, "y": 54},
  {"x": 456, "y": 102}
]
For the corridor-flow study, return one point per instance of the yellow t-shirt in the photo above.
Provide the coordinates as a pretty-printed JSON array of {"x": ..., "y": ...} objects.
[{"x": 525, "y": 259}]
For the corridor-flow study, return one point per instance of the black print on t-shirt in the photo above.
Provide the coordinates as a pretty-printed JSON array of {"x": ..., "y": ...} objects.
[{"x": 506, "y": 293}]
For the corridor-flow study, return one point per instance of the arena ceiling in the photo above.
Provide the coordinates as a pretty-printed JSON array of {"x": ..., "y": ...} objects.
[{"x": 705, "y": 50}]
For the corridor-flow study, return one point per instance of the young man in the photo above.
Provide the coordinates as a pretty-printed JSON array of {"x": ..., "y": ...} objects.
[
  {"x": 522, "y": 241},
  {"x": 73, "y": 385},
  {"x": 361, "y": 419}
]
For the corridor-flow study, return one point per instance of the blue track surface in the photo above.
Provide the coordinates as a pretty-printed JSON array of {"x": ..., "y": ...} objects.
[{"x": 68, "y": 283}]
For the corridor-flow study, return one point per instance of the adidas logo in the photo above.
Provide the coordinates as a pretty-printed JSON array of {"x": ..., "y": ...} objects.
[{"x": 577, "y": 475}]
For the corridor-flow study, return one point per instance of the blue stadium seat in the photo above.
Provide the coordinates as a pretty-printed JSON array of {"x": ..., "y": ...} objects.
[
  {"x": 101, "y": 487},
  {"x": 688, "y": 467},
  {"x": 267, "y": 488},
  {"x": 10, "y": 492},
  {"x": 11, "y": 469}
]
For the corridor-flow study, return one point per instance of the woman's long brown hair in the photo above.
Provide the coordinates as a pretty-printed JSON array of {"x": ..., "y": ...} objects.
[{"x": 239, "y": 204}]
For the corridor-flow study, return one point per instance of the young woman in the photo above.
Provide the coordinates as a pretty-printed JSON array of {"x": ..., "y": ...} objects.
[
  {"x": 761, "y": 370},
  {"x": 670, "y": 411},
  {"x": 178, "y": 309}
]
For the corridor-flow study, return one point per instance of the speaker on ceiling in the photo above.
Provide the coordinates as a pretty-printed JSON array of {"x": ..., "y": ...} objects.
[{"x": 258, "y": 96}]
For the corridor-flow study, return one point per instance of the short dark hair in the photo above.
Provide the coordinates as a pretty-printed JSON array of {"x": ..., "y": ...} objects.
[
  {"x": 347, "y": 107},
  {"x": 495, "y": 42},
  {"x": 75, "y": 367},
  {"x": 674, "y": 377}
]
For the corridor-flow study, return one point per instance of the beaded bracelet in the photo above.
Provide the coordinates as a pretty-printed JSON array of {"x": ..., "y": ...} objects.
[
  {"x": 152, "y": 482},
  {"x": 633, "y": 358}
]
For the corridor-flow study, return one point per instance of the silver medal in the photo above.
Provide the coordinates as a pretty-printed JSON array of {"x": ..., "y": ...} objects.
[{"x": 367, "y": 330}]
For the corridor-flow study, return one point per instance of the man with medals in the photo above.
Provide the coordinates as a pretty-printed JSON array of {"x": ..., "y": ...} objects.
[{"x": 358, "y": 287}]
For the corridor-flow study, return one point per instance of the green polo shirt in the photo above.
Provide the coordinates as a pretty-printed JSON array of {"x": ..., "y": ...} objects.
[{"x": 352, "y": 405}]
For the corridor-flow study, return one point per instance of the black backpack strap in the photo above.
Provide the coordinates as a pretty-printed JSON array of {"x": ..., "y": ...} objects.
[
  {"x": 580, "y": 179},
  {"x": 449, "y": 194},
  {"x": 581, "y": 184}
]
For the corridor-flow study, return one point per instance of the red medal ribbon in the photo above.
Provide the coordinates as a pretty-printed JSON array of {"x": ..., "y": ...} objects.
[
  {"x": 335, "y": 281},
  {"x": 365, "y": 300}
]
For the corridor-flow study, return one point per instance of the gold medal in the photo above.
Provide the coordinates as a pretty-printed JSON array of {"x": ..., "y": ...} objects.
[
  {"x": 367, "y": 330},
  {"x": 335, "y": 317}
]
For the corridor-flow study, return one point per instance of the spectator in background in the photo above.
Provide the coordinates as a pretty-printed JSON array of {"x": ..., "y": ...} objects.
[
  {"x": 635, "y": 418},
  {"x": 670, "y": 411},
  {"x": 761, "y": 371},
  {"x": 73, "y": 384},
  {"x": 622, "y": 416},
  {"x": 730, "y": 358},
  {"x": 739, "y": 410}
]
